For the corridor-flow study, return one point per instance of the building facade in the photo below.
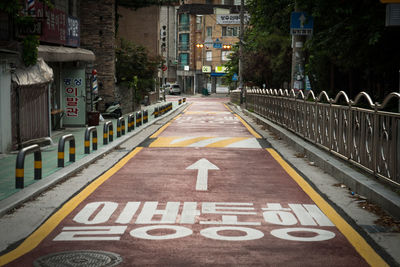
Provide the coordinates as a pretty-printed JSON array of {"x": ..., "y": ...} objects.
[
  {"x": 207, "y": 30},
  {"x": 51, "y": 94}
]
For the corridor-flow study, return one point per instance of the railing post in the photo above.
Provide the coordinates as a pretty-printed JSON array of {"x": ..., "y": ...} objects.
[
  {"x": 131, "y": 122},
  {"x": 107, "y": 135},
  {"x": 88, "y": 131},
  {"x": 19, "y": 166},
  {"x": 61, "y": 146},
  {"x": 375, "y": 136}
]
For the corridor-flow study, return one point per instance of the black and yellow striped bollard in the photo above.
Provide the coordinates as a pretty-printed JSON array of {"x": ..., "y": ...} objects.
[
  {"x": 61, "y": 146},
  {"x": 145, "y": 116},
  {"x": 131, "y": 122},
  {"x": 120, "y": 126},
  {"x": 88, "y": 131},
  {"x": 107, "y": 132},
  {"x": 138, "y": 118},
  {"x": 19, "y": 166}
]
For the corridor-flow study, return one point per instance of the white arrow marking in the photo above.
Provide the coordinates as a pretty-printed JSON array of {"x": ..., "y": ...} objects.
[{"x": 202, "y": 165}]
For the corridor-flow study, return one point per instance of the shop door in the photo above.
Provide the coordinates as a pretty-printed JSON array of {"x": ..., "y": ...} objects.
[{"x": 74, "y": 97}]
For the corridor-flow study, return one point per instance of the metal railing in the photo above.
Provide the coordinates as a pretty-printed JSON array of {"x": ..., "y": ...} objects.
[{"x": 366, "y": 136}]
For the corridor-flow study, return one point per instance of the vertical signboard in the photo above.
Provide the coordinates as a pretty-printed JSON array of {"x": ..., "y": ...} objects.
[
  {"x": 74, "y": 102},
  {"x": 73, "y": 32}
]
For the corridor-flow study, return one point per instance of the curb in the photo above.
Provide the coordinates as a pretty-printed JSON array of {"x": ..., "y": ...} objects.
[
  {"x": 31, "y": 191},
  {"x": 359, "y": 181}
]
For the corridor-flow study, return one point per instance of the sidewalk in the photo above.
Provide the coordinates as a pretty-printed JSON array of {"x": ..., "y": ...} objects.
[{"x": 50, "y": 154}]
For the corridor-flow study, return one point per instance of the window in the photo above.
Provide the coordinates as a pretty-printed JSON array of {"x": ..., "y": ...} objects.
[
  {"x": 209, "y": 31},
  {"x": 209, "y": 55},
  {"x": 230, "y": 31},
  {"x": 183, "y": 59},
  {"x": 225, "y": 55},
  {"x": 184, "y": 22},
  {"x": 227, "y": 2},
  {"x": 184, "y": 41},
  {"x": 199, "y": 19}
]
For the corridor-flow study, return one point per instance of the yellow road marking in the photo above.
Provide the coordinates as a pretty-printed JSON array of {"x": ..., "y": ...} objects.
[
  {"x": 254, "y": 133},
  {"x": 185, "y": 110},
  {"x": 228, "y": 108},
  {"x": 168, "y": 141},
  {"x": 45, "y": 229},
  {"x": 358, "y": 242},
  {"x": 227, "y": 142},
  {"x": 156, "y": 134}
]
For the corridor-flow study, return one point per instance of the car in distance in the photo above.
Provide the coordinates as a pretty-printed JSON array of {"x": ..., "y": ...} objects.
[{"x": 174, "y": 89}]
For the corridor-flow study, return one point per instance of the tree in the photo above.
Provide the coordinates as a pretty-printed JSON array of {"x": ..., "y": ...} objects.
[
  {"x": 133, "y": 61},
  {"x": 266, "y": 44},
  {"x": 350, "y": 39},
  {"x": 350, "y": 49}
]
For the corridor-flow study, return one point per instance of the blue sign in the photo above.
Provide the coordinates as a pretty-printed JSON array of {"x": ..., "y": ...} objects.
[
  {"x": 234, "y": 77},
  {"x": 217, "y": 44},
  {"x": 301, "y": 24}
]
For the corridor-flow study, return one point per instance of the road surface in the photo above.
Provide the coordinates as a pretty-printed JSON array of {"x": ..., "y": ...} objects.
[{"x": 205, "y": 189}]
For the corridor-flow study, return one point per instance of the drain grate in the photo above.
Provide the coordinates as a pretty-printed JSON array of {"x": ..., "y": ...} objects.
[{"x": 79, "y": 258}]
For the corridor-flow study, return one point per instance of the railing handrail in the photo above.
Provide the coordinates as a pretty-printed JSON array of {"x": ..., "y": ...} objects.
[{"x": 360, "y": 131}]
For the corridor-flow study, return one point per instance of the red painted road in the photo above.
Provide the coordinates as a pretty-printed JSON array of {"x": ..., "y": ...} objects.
[{"x": 154, "y": 210}]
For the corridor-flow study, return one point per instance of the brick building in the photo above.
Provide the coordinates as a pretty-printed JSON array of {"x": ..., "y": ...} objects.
[
  {"x": 97, "y": 18},
  {"x": 206, "y": 32}
]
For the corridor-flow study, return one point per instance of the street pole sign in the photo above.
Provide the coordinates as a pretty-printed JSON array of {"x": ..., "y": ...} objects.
[{"x": 301, "y": 24}]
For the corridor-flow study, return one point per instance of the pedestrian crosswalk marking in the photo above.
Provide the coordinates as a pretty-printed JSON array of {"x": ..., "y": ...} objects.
[{"x": 232, "y": 142}]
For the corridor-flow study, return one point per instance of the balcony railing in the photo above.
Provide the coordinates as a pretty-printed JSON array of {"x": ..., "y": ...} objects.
[{"x": 367, "y": 137}]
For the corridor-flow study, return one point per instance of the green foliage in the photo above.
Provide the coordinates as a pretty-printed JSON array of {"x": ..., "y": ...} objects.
[
  {"x": 350, "y": 38},
  {"x": 10, "y": 6},
  {"x": 267, "y": 52},
  {"x": 30, "y": 43},
  {"x": 135, "y": 68},
  {"x": 351, "y": 49},
  {"x": 30, "y": 50}
]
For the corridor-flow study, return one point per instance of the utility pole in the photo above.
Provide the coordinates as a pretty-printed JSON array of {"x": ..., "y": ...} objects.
[
  {"x": 297, "y": 77},
  {"x": 241, "y": 87}
]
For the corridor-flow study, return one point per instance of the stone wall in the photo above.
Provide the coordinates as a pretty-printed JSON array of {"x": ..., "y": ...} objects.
[{"x": 97, "y": 19}]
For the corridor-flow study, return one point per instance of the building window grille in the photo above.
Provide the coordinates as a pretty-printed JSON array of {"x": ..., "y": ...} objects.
[
  {"x": 184, "y": 22},
  {"x": 184, "y": 60},
  {"x": 225, "y": 55},
  {"x": 184, "y": 42},
  {"x": 209, "y": 55},
  {"x": 230, "y": 31},
  {"x": 199, "y": 20},
  {"x": 209, "y": 31}
]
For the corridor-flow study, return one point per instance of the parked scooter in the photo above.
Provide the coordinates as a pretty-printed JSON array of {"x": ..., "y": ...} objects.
[{"x": 113, "y": 109}]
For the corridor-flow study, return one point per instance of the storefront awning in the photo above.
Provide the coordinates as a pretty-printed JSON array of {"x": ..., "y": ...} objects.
[
  {"x": 217, "y": 74},
  {"x": 37, "y": 74},
  {"x": 64, "y": 54}
]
